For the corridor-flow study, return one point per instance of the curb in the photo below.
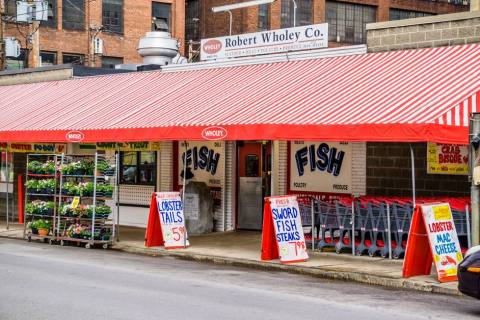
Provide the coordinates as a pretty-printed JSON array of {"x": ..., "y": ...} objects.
[{"x": 318, "y": 272}]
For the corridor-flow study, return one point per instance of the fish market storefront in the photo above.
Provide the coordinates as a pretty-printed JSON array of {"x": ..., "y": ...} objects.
[{"x": 332, "y": 124}]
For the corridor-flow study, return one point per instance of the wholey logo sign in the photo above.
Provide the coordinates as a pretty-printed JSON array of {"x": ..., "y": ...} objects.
[
  {"x": 273, "y": 41},
  {"x": 214, "y": 133},
  {"x": 74, "y": 136}
]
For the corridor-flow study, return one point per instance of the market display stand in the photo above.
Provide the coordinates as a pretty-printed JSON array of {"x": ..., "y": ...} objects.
[
  {"x": 80, "y": 207},
  {"x": 41, "y": 197},
  {"x": 87, "y": 184}
]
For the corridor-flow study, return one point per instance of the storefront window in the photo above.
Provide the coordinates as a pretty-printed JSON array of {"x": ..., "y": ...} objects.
[
  {"x": 303, "y": 14},
  {"x": 346, "y": 22},
  {"x": 138, "y": 168},
  {"x": 398, "y": 14}
]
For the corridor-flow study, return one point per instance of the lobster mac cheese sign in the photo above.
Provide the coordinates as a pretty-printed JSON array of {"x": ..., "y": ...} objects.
[
  {"x": 447, "y": 158},
  {"x": 443, "y": 239},
  {"x": 321, "y": 167},
  {"x": 172, "y": 220},
  {"x": 288, "y": 229}
]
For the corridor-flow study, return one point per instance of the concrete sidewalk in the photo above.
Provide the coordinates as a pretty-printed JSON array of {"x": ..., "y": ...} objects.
[{"x": 242, "y": 248}]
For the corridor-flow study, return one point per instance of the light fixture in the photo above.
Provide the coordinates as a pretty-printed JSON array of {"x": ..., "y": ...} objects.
[{"x": 240, "y": 5}]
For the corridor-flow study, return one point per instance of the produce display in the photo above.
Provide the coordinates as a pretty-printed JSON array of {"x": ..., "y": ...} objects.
[{"x": 67, "y": 199}]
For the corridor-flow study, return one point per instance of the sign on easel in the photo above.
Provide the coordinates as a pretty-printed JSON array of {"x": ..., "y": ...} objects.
[
  {"x": 282, "y": 234},
  {"x": 432, "y": 238},
  {"x": 166, "y": 222}
]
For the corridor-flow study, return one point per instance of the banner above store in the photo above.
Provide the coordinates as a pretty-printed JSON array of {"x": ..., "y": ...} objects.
[
  {"x": 123, "y": 146},
  {"x": 34, "y": 147},
  {"x": 266, "y": 42}
]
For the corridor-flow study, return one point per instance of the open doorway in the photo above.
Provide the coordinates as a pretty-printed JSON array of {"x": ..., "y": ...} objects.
[{"x": 254, "y": 183}]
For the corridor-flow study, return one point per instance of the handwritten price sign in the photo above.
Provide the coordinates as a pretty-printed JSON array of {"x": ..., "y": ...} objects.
[
  {"x": 288, "y": 229},
  {"x": 172, "y": 220}
]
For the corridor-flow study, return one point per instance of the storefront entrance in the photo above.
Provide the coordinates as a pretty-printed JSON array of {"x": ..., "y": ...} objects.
[{"x": 254, "y": 163}]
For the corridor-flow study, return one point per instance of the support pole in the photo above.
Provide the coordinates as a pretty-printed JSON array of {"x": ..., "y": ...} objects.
[
  {"x": 2, "y": 43},
  {"x": 184, "y": 182},
  {"x": 389, "y": 234},
  {"x": 474, "y": 189},
  {"x": 469, "y": 232},
  {"x": 312, "y": 210},
  {"x": 231, "y": 18},
  {"x": 353, "y": 227},
  {"x": 412, "y": 156},
  {"x": 294, "y": 13},
  {"x": 7, "y": 169}
]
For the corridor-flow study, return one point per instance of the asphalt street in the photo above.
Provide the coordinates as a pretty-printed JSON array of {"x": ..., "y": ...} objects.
[{"x": 39, "y": 281}]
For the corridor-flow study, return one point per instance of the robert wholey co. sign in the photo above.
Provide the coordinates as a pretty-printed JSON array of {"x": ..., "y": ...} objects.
[
  {"x": 272, "y": 41},
  {"x": 321, "y": 167}
]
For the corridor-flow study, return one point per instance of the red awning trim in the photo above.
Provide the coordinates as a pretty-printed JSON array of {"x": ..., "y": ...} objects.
[{"x": 412, "y": 95}]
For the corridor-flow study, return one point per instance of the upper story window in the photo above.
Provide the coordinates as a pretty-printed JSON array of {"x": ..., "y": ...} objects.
[
  {"x": 51, "y": 14},
  {"x": 192, "y": 20},
  {"x": 73, "y": 14},
  {"x": 263, "y": 24},
  {"x": 346, "y": 22},
  {"x": 303, "y": 13},
  {"x": 161, "y": 16},
  {"x": 399, "y": 14},
  {"x": 112, "y": 15}
]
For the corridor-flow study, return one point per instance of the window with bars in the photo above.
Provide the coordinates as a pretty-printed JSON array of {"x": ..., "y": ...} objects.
[
  {"x": 73, "y": 58},
  {"x": 346, "y": 22},
  {"x": 399, "y": 14},
  {"x": 73, "y": 14},
  {"x": 48, "y": 58},
  {"x": 161, "y": 16},
  {"x": 303, "y": 15},
  {"x": 263, "y": 24},
  {"x": 191, "y": 21},
  {"x": 51, "y": 14},
  {"x": 138, "y": 168},
  {"x": 112, "y": 16}
]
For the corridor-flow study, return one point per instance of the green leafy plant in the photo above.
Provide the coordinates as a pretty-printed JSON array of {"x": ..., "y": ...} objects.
[
  {"x": 32, "y": 186},
  {"x": 70, "y": 189},
  {"x": 41, "y": 224},
  {"x": 39, "y": 207},
  {"x": 49, "y": 167},
  {"x": 34, "y": 167}
]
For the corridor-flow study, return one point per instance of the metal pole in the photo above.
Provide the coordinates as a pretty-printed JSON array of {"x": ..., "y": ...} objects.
[
  {"x": 353, "y": 227},
  {"x": 224, "y": 194},
  {"x": 469, "y": 232},
  {"x": 294, "y": 13},
  {"x": 389, "y": 234},
  {"x": 231, "y": 18},
  {"x": 94, "y": 197},
  {"x": 2, "y": 43},
  {"x": 184, "y": 182},
  {"x": 312, "y": 203},
  {"x": 474, "y": 189},
  {"x": 7, "y": 169},
  {"x": 412, "y": 156},
  {"x": 117, "y": 185}
]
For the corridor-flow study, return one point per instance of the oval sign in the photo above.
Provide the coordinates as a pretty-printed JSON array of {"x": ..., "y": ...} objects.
[
  {"x": 75, "y": 136},
  {"x": 214, "y": 133},
  {"x": 212, "y": 46}
]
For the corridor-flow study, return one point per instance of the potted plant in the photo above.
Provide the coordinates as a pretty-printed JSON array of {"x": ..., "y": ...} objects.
[
  {"x": 34, "y": 167},
  {"x": 32, "y": 186},
  {"x": 49, "y": 167},
  {"x": 108, "y": 190},
  {"x": 88, "y": 166},
  {"x": 86, "y": 189},
  {"x": 47, "y": 186},
  {"x": 102, "y": 212},
  {"x": 32, "y": 226},
  {"x": 105, "y": 168},
  {"x": 43, "y": 226}
]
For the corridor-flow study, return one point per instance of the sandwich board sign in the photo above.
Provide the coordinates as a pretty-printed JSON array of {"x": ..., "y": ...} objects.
[
  {"x": 432, "y": 238},
  {"x": 166, "y": 221},
  {"x": 282, "y": 234}
]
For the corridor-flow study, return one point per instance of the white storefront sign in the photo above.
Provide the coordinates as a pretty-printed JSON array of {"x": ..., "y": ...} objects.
[
  {"x": 266, "y": 42},
  {"x": 172, "y": 220},
  {"x": 321, "y": 167},
  {"x": 205, "y": 162}
]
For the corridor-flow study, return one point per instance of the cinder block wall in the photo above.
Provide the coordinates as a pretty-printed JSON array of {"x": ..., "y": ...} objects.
[
  {"x": 389, "y": 173},
  {"x": 426, "y": 32}
]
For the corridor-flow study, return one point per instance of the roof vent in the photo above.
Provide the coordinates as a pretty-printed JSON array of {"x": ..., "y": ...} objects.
[{"x": 158, "y": 47}]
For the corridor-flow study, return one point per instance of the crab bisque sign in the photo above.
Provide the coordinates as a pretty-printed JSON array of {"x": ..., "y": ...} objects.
[
  {"x": 172, "y": 220},
  {"x": 283, "y": 229},
  {"x": 266, "y": 42},
  {"x": 436, "y": 222},
  {"x": 447, "y": 159},
  {"x": 321, "y": 167}
]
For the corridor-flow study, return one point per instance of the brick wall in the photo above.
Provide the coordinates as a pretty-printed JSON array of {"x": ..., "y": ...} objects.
[
  {"x": 389, "y": 173},
  {"x": 434, "y": 31},
  {"x": 137, "y": 21}
]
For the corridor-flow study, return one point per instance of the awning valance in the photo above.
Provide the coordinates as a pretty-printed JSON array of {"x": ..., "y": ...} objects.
[{"x": 412, "y": 95}]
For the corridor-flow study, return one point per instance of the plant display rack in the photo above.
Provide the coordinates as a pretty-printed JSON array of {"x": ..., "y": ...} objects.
[
  {"x": 41, "y": 186},
  {"x": 82, "y": 209}
]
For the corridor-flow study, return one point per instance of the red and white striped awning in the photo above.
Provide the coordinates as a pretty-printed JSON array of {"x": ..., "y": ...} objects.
[{"x": 412, "y": 95}]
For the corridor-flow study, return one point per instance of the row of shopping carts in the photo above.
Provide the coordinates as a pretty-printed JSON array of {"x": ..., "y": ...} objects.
[{"x": 379, "y": 226}]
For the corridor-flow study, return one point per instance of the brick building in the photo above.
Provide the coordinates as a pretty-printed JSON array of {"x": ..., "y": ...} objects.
[
  {"x": 346, "y": 19},
  {"x": 72, "y": 24}
]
